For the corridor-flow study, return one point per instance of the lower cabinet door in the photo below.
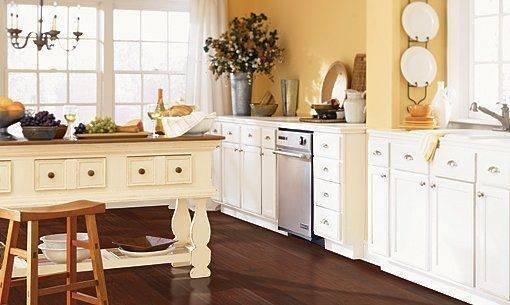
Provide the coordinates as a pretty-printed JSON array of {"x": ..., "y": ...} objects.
[
  {"x": 216, "y": 172},
  {"x": 378, "y": 210},
  {"x": 409, "y": 214},
  {"x": 493, "y": 241},
  {"x": 251, "y": 179},
  {"x": 268, "y": 184},
  {"x": 231, "y": 163},
  {"x": 452, "y": 228}
]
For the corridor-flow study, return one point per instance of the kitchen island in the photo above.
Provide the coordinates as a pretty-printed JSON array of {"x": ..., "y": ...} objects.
[{"x": 121, "y": 173}]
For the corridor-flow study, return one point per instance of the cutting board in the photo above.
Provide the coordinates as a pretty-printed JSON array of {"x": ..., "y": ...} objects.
[{"x": 115, "y": 135}]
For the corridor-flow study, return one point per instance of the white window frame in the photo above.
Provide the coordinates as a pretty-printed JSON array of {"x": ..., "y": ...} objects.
[
  {"x": 106, "y": 81},
  {"x": 460, "y": 64}
]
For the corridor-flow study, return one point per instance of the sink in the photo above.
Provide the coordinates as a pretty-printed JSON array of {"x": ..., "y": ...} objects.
[{"x": 475, "y": 134}]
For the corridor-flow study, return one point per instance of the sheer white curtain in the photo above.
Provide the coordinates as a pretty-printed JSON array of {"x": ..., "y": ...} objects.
[{"x": 208, "y": 18}]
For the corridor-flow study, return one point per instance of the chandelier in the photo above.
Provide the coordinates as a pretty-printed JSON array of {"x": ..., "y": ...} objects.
[{"x": 41, "y": 39}]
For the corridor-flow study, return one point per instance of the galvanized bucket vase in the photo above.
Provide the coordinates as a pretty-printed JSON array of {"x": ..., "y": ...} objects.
[{"x": 241, "y": 88}]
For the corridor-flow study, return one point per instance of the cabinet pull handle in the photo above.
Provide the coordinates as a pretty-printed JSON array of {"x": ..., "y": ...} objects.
[
  {"x": 480, "y": 194},
  {"x": 91, "y": 173},
  {"x": 178, "y": 170},
  {"x": 236, "y": 149},
  {"x": 493, "y": 170},
  {"x": 423, "y": 183},
  {"x": 241, "y": 150},
  {"x": 325, "y": 222},
  {"x": 141, "y": 171},
  {"x": 325, "y": 195},
  {"x": 51, "y": 175},
  {"x": 452, "y": 164},
  {"x": 377, "y": 153},
  {"x": 408, "y": 157},
  {"x": 250, "y": 135},
  {"x": 384, "y": 176},
  {"x": 215, "y": 130},
  {"x": 268, "y": 138},
  {"x": 229, "y": 133},
  {"x": 325, "y": 146},
  {"x": 325, "y": 169},
  {"x": 433, "y": 186}
]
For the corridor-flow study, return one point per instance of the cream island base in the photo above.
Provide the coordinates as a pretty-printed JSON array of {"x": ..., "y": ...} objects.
[{"x": 121, "y": 173}]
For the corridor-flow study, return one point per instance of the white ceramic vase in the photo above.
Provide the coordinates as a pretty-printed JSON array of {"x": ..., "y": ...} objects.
[
  {"x": 355, "y": 107},
  {"x": 441, "y": 105}
]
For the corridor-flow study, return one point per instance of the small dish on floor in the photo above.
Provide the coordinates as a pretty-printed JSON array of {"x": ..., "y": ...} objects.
[
  {"x": 145, "y": 244},
  {"x": 145, "y": 254}
]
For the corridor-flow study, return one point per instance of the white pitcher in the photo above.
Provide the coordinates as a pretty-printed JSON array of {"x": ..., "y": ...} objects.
[
  {"x": 355, "y": 107},
  {"x": 441, "y": 105}
]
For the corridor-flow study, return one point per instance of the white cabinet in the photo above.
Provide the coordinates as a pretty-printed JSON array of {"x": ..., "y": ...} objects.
[
  {"x": 231, "y": 161},
  {"x": 493, "y": 241},
  {"x": 251, "y": 178},
  {"x": 378, "y": 210},
  {"x": 409, "y": 214},
  {"x": 268, "y": 183},
  {"x": 452, "y": 228}
]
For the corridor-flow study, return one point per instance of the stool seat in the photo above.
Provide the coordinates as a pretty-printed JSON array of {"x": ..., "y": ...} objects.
[{"x": 71, "y": 209}]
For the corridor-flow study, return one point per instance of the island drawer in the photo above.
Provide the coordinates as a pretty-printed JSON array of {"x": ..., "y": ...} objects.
[
  {"x": 231, "y": 132},
  {"x": 50, "y": 175},
  {"x": 328, "y": 169},
  {"x": 91, "y": 173},
  {"x": 178, "y": 170},
  {"x": 141, "y": 171},
  {"x": 250, "y": 135},
  {"x": 327, "y": 223},
  {"x": 327, "y": 145},
  {"x": 5, "y": 176}
]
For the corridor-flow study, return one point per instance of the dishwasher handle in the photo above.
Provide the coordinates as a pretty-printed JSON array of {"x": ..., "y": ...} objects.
[{"x": 293, "y": 155}]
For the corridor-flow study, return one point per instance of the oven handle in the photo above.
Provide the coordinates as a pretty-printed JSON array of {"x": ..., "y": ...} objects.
[{"x": 293, "y": 155}]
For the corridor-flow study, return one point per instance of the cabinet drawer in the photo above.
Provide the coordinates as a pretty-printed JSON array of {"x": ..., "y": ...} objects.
[
  {"x": 216, "y": 129},
  {"x": 328, "y": 169},
  {"x": 50, "y": 175},
  {"x": 327, "y": 195},
  {"x": 91, "y": 173},
  {"x": 327, "y": 145},
  {"x": 178, "y": 170},
  {"x": 268, "y": 138},
  {"x": 327, "y": 223},
  {"x": 141, "y": 171},
  {"x": 454, "y": 163},
  {"x": 378, "y": 152},
  {"x": 5, "y": 176},
  {"x": 231, "y": 132},
  {"x": 250, "y": 135},
  {"x": 494, "y": 169},
  {"x": 407, "y": 158}
]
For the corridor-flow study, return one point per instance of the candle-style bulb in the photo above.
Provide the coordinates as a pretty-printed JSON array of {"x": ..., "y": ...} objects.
[
  {"x": 11, "y": 21},
  {"x": 54, "y": 23},
  {"x": 77, "y": 24},
  {"x": 17, "y": 22}
]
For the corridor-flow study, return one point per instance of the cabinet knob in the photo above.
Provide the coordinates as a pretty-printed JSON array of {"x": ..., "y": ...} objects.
[
  {"x": 377, "y": 153},
  {"x": 215, "y": 130},
  {"x": 423, "y": 183},
  {"x": 408, "y": 157},
  {"x": 178, "y": 170},
  {"x": 325, "y": 195},
  {"x": 91, "y": 173},
  {"x": 240, "y": 150},
  {"x": 480, "y": 195},
  {"x": 452, "y": 164},
  {"x": 325, "y": 169},
  {"x": 229, "y": 133},
  {"x": 433, "y": 186},
  {"x": 384, "y": 176},
  {"x": 325, "y": 146},
  {"x": 325, "y": 222},
  {"x": 51, "y": 175},
  {"x": 141, "y": 171},
  {"x": 493, "y": 170},
  {"x": 250, "y": 135},
  {"x": 268, "y": 138}
]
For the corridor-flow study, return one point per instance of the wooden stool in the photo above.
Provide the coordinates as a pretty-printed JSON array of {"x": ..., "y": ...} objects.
[{"x": 32, "y": 216}]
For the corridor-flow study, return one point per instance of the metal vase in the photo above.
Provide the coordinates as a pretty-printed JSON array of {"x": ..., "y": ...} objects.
[
  {"x": 290, "y": 93},
  {"x": 241, "y": 88}
]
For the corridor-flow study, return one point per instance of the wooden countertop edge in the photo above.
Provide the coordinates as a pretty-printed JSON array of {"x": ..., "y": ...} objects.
[{"x": 107, "y": 141}]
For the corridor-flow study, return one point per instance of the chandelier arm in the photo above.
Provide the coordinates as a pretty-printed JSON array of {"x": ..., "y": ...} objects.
[{"x": 15, "y": 44}]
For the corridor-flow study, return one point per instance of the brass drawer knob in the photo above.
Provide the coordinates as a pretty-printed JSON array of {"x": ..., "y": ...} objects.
[
  {"x": 51, "y": 175},
  {"x": 178, "y": 170},
  {"x": 91, "y": 173},
  {"x": 141, "y": 171}
]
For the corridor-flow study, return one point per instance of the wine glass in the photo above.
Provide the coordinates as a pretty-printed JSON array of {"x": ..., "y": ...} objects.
[
  {"x": 154, "y": 114},
  {"x": 70, "y": 117}
]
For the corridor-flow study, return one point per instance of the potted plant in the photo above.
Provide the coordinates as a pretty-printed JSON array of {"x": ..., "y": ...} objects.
[{"x": 246, "y": 48}]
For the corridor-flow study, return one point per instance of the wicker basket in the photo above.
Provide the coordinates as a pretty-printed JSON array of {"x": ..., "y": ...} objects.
[{"x": 359, "y": 73}]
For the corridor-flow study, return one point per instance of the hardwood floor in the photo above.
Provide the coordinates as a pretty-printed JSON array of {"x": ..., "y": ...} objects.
[{"x": 251, "y": 266}]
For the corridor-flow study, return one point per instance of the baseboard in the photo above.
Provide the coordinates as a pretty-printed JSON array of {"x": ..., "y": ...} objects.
[{"x": 253, "y": 219}]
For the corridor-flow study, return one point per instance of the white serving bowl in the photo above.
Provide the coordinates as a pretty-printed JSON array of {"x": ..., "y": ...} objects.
[
  {"x": 59, "y": 256},
  {"x": 59, "y": 241},
  {"x": 204, "y": 126}
]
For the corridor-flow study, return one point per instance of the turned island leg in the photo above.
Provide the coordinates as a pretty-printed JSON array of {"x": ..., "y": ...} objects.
[
  {"x": 200, "y": 236},
  {"x": 181, "y": 223}
]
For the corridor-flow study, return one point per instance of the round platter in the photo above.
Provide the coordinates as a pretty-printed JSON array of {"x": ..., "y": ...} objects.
[
  {"x": 420, "y": 21},
  {"x": 145, "y": 254},
  {"x": 418, "y": 66}
]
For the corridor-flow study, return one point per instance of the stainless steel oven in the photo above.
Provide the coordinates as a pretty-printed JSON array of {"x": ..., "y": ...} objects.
[{"x": 294, "y": 180}]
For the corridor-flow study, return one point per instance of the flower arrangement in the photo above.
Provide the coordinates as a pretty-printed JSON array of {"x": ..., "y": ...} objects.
[{"x": 248, "y": 46}]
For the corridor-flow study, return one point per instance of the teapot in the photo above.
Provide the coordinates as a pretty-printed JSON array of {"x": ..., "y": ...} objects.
[{"x": 355, "y": 106}]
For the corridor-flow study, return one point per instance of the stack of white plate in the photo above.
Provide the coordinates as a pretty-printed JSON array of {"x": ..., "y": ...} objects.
[{"x": 54, "y": 248}]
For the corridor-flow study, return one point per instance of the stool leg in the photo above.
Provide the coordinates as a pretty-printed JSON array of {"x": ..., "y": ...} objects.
[
  {"x": 32, "y": 263},
  {"x": 8, "y": 261},
  {"x": 71, "y": 257},
  {"x": 97, "y": 261}
]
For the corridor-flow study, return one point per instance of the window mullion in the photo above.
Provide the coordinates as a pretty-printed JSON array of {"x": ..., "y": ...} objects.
[{"x": 108, "y": 100}]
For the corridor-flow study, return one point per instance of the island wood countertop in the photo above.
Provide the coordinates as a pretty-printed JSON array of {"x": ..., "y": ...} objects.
[{"x": 21, "y": 142}]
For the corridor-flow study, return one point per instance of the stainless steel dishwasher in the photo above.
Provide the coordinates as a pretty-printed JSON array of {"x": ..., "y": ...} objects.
[{"x": 294, "y": 180}]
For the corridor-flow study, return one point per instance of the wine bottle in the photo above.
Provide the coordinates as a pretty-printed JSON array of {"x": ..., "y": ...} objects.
[{"x": 160, "y": 108}]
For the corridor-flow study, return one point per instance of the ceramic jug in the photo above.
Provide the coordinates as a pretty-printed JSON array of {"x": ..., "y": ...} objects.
[
  {"x": 355, "y": 106},
  {"x": 442, "y": 107}
]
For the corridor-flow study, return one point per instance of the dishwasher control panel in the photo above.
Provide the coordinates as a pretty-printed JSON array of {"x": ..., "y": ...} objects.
[{"x": 294, "y": 140}]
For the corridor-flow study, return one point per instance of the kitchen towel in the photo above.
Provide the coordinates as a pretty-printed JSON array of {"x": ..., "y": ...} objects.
[
  {"x": 429, "y": 143},
  {"x": 177, "y": 126}
]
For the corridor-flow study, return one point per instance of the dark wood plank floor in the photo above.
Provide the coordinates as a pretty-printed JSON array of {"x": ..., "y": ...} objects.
[{"x": 251, "y": 266}]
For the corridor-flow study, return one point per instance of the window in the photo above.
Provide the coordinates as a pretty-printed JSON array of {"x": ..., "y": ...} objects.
[
  {"x": 150, "y": 52},
  {"x": 47, "y": 80},
  {"x": 481, "y": 75}
]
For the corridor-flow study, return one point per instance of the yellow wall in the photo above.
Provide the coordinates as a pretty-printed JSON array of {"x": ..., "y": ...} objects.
[{"x": 315, "y": 34}]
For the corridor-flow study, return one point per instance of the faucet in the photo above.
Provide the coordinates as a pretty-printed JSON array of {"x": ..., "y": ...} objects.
[{"x": 504, "y": 118}]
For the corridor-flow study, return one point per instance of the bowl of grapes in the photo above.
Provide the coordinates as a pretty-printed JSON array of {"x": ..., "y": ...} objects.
[{"x": 39, "y": 127}]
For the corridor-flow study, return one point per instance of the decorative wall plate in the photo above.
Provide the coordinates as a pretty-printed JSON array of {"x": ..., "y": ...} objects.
[
  {"x": 335, "y": 83},
  {"x": 418, "y": 66},
  {"x": 420, "y": 21}
]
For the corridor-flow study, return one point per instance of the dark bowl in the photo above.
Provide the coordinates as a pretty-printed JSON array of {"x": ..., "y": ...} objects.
[
  {"x": 61, "y": 132},
  {"x": 39, "y": 133}
]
